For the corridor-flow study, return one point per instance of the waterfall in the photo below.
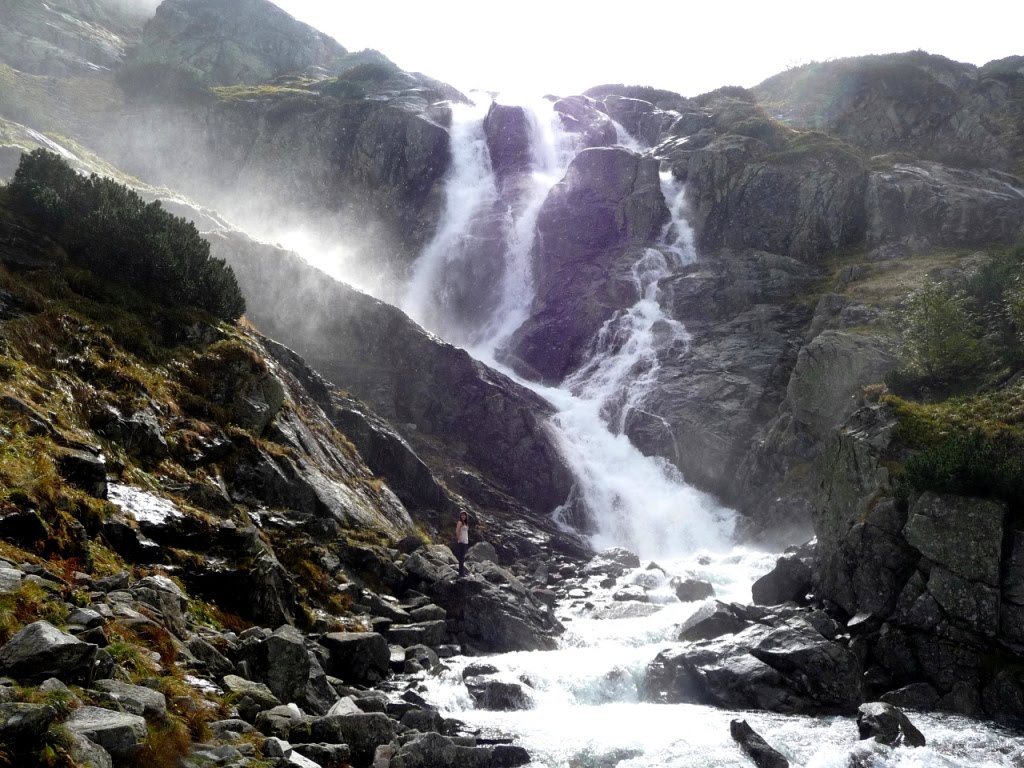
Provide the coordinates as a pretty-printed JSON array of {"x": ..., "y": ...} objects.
[
  {"x": 633, "y": 500},
  {"x": 586, "y": 708},
  {"x": 472, "y": 199},
  {"x": 636, "y": 501}
]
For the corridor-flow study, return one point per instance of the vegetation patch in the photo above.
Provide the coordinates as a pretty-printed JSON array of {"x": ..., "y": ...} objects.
[{"x": 108, "y": 229}]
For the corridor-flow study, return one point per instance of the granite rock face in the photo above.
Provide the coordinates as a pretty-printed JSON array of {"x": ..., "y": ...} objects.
[
  {"x": 226, "y": 42},
  {"x": 591, "y": 229},
  {"x": 933, "y": 578}
]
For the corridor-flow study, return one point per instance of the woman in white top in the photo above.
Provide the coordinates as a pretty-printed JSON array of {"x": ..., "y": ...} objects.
[{"x": 462, "y": 540}]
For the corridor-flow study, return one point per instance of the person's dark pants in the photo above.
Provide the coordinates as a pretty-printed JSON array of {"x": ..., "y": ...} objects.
[{"x": 460, "y": 554}]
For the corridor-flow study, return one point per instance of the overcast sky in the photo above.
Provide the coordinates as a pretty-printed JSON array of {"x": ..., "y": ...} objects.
[{"x": 689, "y": 46}]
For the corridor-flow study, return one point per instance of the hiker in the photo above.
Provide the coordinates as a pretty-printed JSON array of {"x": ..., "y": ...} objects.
[{"x": 462, "y": 540}]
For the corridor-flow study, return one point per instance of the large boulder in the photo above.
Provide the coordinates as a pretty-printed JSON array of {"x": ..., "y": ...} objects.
[
  {"x": 40, "y": 650},
  {"x": 790, "y": 668},
  {"x": 289, "y": 669},
  {"x": 120, "y": 734},
  {"x": 357, "y": 657},
  {"x": 887, "y": 725}
]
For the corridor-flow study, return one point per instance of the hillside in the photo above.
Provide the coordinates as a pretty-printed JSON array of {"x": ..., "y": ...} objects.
[{"x": 171, "y": 481}]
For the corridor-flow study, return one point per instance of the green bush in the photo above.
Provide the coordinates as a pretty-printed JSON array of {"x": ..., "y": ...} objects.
[
  {"x": 940, "y": 339},
  {"x": 971, "y": 464},
  {"x": 111, "y": 231}
]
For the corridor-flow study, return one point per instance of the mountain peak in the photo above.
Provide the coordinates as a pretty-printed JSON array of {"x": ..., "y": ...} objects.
[{"x": 228, "y": 42}]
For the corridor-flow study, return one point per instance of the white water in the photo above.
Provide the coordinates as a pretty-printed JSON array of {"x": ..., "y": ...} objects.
[{"x": 585, "y": 695}]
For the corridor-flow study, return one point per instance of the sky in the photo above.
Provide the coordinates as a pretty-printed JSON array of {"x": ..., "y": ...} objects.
[{"x": 688, "y": 46}]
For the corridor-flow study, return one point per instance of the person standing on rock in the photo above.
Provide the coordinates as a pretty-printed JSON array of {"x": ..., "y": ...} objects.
[{"x": 462, "y": 540}]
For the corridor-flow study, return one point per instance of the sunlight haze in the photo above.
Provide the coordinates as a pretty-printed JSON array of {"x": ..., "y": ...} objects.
[{"x": 691, "y": 48}]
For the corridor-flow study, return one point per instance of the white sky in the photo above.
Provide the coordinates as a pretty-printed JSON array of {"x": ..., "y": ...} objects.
[{"x": 689, "y": 46}]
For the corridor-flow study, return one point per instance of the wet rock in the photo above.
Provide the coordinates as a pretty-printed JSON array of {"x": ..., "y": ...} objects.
[
  {"x": 433, "y": 749},
  {"x": 497, "y": 694},
  {"x": 786, "y": 668},
  {"x": 430, "y": 633},
  {"x": 423, "y": 656},
  {"x": 789, "y": 580},
  {"x": 357, "y": 657},
  {"x": 887, "y": 725},
  {"x": 689, "y": 590},
  {"x": 507, "y": 129},
  {"x": 581, "y": 116},
  {"x": 118, "y": 733},
  {"x": 40, "y": 650},
  {"x": 711, "y": 620},
  {"x": 631, "y": 592},
  {"x": 85, "y": 470},
  {"x": 612, "y": 562},
  {"x": 755, "y": 747},
  {"x": 914, "y": 696},
  {"x": 592, "y": 228}
]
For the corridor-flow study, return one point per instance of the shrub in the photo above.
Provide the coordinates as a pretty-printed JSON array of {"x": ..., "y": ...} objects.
[
  {"x": 344, "y": 90},
  {"x": 940, "y": 338},
  {"x": 111, "y": 231}
]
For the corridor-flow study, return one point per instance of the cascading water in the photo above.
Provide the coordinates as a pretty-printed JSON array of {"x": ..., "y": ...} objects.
[{"x": 586, "y": 706}]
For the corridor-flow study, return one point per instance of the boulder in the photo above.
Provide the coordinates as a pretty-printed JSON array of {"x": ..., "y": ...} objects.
[
  {"x": 788, "y": 668},
  {"x": 430, "y": 633},
  {"x": 364, "y": 733},
  {"x": 216, "y": 663},
  {"x": 40, "y": 650},
  {"x": 713, "y": 619},
  {"x": 689, "y": 590},
  {"x": 788, "y": 581},
  {"x": 289, "y": 669},
  {"x": 151, "y": 704},
  {"x": 755, "y": 747},
  {"x": 887, "y": 725},
  {"x": 120, "y": 734},
  {"x": 497, "y": 694},
  {"x": 86, "y": 470},
  {"x": 357, "y": 657},
  {"x": 24, "y": 725},
  {"x": 433, "y": 749}
]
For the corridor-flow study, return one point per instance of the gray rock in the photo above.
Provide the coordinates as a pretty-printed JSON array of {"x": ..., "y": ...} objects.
[
  {"x": 963, "y": 535},
  {"x": 10, "y": 579},
  {"x": 689, "y": 590},
  {"x": 23, "y": 725},
  {"x": 364, "y": 733},
  {"x": 40, "y": 650},
  {"x": 324, "y": 754},
  {"x": 968, "y": 602},
  {"x": 87, "y": 753},
  {"x": 497, "y": 694},
  {"x": 357, "y": 657},
  {"x": 430, "y": 633},
  {"x": 789, "y": 580},
  {"x": 152, "y": 703},
  {"x": 118, "y": 733},
  {"x": 713, "y": 619},
  {"x": 217, "y": 664},
  {"x": 227, "y": 42},
  {"x": 888, "y": 725},
  {"x": 86, "y": 470},
  {"x": 257, "y": 692},
  {"x": 433, "y": 749},
  {"x": 428, "y": 613},
  {"x": 755, "y": 747}
]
